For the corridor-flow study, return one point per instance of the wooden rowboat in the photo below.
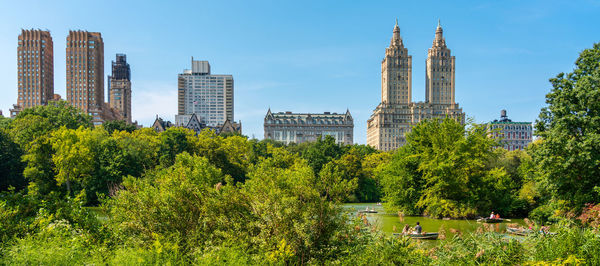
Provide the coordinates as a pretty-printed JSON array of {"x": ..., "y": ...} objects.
[
  {"x": 428, "y": 236},
  {"x": 369, "y": 211},
  {"x": 489, "y": 221},
  {"x": 425, "y": 236}
]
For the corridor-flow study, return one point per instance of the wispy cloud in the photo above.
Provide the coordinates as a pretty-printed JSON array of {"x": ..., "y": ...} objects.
[{"x": 153, "y": 98}]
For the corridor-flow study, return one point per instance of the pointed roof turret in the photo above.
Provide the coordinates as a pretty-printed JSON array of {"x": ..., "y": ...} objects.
[
  {"x": 347, "y": 116},
  {"x": 269, "y": 114},
  {"x": 439, "y": 40},
  {"x": 396, "y": 39}
]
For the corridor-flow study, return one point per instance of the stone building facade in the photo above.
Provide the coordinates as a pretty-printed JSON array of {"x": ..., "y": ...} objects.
[
  {"x": 119, "y": 87},
  {"x": 290, "y": 127},
  {"x": 397, "y": 113},
  {"x": 512, "y": 135},
  {"x": 35, "y": 62}
]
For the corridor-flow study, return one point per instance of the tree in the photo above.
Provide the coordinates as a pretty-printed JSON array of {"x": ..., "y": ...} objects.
[
  {"x": 5, "y": 122},
  {"x": 34, "y": 122},
  {"x": 321, "y": 152},
  {"x": 569, "y": 154},
  {"x": 11, "y": 167},
  {"x": 173, "y": 141},
  {"x": 232, "y": 154},
  {"x": 75, "y": 154},
  {"x": 444, "y": 164},
  {"x": 349, "y": 179},
  {"x": 31, "y": 130},
  {"x": 138, "y": 150},
  {"x": 402, "y": 182},
  {"x": 120, "y": 125},
  {"x": 338, "y": 181}
]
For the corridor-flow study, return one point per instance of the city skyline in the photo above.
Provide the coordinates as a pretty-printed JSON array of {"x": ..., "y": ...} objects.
[{"x": 283, "y": 60}]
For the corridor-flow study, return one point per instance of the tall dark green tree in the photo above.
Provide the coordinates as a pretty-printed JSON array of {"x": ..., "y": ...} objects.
[
  {"x": 173, "y": 141},
  {"x": 11, "y": 167},
  {"x": 120, "y": 125},
  {"x": 569, "y": 154},
  {"x": 321, "y": 152}
]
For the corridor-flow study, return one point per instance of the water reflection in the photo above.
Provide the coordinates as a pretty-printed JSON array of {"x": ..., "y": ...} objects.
[{"x": 393, "y": 222}]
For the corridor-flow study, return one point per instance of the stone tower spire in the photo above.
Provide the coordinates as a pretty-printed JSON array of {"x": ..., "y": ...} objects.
[
  {"x": 439, "y": 40},
  {"x": 396, "y": 72},
  {"x": 439, "y": 85},
  {"x": 396, "y": 39}
]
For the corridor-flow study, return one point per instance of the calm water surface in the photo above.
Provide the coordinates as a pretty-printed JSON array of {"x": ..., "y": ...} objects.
[{"x": 391, "y": 223}]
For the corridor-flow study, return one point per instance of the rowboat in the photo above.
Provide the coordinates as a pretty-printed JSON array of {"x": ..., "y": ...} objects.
[
  {"x": 367, "y": 211},
  {"x": 425, "y": 236},
  {"x": 524, "y": 232},
  {"x": 518, "y": 231},
  {"x": 428, "y": 236},
  {"x": 489, "y": 221}
]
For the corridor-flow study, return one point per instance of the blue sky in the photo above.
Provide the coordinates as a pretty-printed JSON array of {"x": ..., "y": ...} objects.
[{"x": 315, "y": 56}]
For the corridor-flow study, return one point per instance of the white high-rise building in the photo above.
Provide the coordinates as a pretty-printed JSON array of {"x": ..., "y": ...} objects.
[{"x": 208, "y": 96}]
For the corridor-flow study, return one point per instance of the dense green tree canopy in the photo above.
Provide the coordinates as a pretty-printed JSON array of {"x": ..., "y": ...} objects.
[
  {"x": 120, "y": 125},
  {"x": 11, "y": 167},
  {"x": 443, "y": 171},
  {"x": 568, "y": 155}
]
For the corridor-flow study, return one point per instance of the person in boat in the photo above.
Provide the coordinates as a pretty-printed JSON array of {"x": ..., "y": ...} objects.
[
  {"x": 497, "y": 216},
  {"x": 406, "y": 229},
  {"x": 492, "y": 216},
  {"x": 418, "y": 229}
]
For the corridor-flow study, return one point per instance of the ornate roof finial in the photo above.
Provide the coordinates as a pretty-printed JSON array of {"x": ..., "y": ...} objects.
[
  {"x": 439, "y": 24},
  {"x": 396, "y": 40}
]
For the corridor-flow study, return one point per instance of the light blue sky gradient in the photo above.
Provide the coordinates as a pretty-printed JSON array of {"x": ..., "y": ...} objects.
[{"x": 315, "y": 56}]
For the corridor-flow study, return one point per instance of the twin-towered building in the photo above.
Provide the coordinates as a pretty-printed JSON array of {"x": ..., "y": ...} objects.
[
  {"x": 84, "y": 75},
  {"x": 397, "y": 113}
]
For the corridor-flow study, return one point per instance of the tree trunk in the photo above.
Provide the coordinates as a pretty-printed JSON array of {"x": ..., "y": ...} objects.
[{"x": 68, "y": 182}]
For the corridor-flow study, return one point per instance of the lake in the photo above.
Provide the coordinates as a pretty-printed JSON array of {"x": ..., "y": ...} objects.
[{"x": 387, "y": 222}]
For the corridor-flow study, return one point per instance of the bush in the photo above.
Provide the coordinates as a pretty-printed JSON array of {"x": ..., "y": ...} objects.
[
  {"x": 487, "y": 248},
  {"x": 59, "y": 243},
  {"x": 570, "y": 243}
]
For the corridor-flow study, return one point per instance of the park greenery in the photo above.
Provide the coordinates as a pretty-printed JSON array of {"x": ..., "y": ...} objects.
[{"x": 72, "y": 193}]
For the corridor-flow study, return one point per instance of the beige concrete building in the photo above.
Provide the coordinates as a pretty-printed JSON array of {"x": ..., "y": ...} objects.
[
  {"x": 290, "y": 127},
  {"x": 35, "y": 61},
  {"x": 119, "y": 87},
  {"x": 85, "y": 73},
  {"x": 397, "y": 113}
]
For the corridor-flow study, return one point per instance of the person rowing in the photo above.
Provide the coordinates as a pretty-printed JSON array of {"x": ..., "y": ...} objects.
[{"x": 418, "y": 229}]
